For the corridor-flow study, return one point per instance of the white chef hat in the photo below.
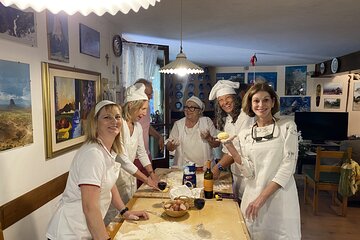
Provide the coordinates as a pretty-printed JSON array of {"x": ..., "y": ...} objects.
[
  {"x": 197, "y": 101},
  {"x": 102, "y": 104},
  {"x": 223, "y": 87},
  {"x": 135, "y": 92}
]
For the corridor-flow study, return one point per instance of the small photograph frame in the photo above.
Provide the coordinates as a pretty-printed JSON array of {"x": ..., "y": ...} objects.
[
  {"x": 89, "y": 41},
  {"x": 68, "y": 96},
  {"x": 58, "y": 36}
]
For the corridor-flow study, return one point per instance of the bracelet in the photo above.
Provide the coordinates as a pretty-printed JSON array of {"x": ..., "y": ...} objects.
[{"x": 122, "y": 212}]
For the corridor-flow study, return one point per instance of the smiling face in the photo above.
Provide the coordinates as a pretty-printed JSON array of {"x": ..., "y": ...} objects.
[
  {"x": 226, "y": 103},
  {"x": 261, "y": 104},
  {"x": 109, "y": 122}
]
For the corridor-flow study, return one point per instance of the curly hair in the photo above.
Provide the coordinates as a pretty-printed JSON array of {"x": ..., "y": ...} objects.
[
  {"x": 257, "y": 87},
  {"x": 220, "y": 114}
]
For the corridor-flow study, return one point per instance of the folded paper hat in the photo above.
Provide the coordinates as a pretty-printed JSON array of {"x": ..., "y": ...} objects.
[
  {"x": 102, "y": 104},
  {"x": 197, "y": 101},
  {"x": 223, "y": 87},
  {"x": 135, "y": 92}
]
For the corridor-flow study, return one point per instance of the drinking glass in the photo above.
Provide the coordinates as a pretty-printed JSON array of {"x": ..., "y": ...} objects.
[
  {"x": 162, "y": 185},
  {"x": 199, "y": 204}
]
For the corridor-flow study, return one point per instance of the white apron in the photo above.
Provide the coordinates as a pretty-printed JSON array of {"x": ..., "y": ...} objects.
[{"x": 279, "y": 217}]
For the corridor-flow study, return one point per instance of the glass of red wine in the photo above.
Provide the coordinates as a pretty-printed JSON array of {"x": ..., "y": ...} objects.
[
  {"x": 162, "y": 185},
  {"x": 199, "y": 204}
]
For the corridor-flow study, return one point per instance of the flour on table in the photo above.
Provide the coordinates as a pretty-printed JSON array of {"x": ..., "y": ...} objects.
[{"x": 160, "y": 231}]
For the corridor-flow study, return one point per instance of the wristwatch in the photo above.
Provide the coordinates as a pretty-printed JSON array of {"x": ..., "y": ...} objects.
[
  {"x": 124, "y": 211},
  {"x": 220, "y": 167}
]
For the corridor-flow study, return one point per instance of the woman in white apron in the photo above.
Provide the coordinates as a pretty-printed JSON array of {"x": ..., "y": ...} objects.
[
  {"x": 230, "y": 119},
  {"x": 267, "y": 159},
  {"x": 135, "y": 107},
  {"x": 193, "y": 136},
  {"x": 90, "y": 187}
]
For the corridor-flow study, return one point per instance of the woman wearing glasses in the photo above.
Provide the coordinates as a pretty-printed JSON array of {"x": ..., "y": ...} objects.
[
  {"x": 267, "y": 158},
  {"x": 192, "y": 136}
]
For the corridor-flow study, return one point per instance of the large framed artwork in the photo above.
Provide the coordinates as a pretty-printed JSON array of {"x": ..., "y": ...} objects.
[
  {"x": 68, "y": 96},
  {"x": 269, "y": 77},
  {"x": 295, "y": 80},
  {"x": 235, "y": 77},
  {"x": 17, "y": 25},
  {"x": 89, "y": 41},
  {"x": 291, "y": 104},
  {"x": 16, "y": 128},
  {"x": 58, "y": 36}
]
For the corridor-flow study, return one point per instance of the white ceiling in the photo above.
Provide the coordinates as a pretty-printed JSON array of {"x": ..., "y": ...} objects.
[{"x": 228, "y": 32}]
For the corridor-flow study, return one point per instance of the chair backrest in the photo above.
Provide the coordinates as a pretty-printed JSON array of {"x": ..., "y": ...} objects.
[{"x": 322, "y": 167}]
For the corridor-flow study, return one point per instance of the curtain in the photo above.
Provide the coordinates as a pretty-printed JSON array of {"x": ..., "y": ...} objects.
[{"x": 139, "y": 61}]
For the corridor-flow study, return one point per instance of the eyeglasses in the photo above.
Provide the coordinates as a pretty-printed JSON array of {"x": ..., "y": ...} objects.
[
  {"x": 267, "y": 137},
  {"x": 191, "y": 109}
]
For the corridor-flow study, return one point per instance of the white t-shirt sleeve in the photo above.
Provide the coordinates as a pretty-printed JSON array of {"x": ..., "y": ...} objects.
[
  {"x": 91, "y": 167},
  {"x": 141, "y": 151},
  {"x": 126, "y": 164}
]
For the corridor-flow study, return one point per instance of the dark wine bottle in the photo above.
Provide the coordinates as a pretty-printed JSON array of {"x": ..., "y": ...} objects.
[{"x": 208, "y": 181}]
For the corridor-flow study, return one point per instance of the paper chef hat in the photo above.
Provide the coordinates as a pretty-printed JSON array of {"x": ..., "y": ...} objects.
[
  {"x": 223, "y": 87},
  {"x": 197, "y": 101},
  {"x": 135, "y": 92},
  {"x": 102, "y": 104}
]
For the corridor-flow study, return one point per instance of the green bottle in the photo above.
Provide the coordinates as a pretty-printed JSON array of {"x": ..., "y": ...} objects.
[{"x": 208, "y": 181}]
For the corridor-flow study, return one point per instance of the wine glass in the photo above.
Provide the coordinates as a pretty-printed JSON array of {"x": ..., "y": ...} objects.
[
  {"x": 199, "y": 204},
  {"x": 162, "y": 185}
]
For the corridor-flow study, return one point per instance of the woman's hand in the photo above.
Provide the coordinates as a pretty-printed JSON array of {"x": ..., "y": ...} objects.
[
  {"x": 151, "y": 183},
  {"x": 252, "y": 211},
  {"x": 135, "y": 215}
]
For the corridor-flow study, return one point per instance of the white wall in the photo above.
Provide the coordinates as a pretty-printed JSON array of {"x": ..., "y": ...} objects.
[{"x": 25, "y": 168}]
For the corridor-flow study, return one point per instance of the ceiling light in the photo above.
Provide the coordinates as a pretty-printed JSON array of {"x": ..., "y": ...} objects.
[
  {"x": 181, "y": 66},
  {"x": 85, "y": 7}
]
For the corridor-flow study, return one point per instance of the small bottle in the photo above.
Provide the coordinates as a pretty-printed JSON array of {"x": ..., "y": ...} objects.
[{"x": 208, "y": 181}]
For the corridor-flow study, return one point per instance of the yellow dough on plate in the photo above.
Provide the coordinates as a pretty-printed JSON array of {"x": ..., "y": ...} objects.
[{"x": 223, "y": 136}]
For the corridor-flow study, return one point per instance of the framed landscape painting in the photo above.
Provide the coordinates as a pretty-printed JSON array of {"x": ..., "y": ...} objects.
[
  {"x": 89, "y": 41},
  {"x": 68, "y": 96},
  {"x": 58, "y": 36},
  {"x": 16, "y": 127}
]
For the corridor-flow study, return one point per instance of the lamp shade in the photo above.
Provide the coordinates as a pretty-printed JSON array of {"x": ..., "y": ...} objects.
[
  {"x": 181, "y": 66},
  {"x": 85, "y": 7}
]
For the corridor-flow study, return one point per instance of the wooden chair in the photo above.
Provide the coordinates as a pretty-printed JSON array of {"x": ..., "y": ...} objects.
[{"x": 325, "y": 178}]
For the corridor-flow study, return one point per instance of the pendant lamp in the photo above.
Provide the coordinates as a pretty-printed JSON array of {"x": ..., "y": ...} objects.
[
  {"x": 181, "y": 66},
  {"x": 85, "y": 7}
]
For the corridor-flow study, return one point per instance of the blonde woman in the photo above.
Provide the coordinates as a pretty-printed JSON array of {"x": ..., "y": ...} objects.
[
  {"x": 90, "y": 187},
  {"x": 135, "y": 108}
]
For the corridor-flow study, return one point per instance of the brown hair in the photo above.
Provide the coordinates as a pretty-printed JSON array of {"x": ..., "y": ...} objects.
[
  {"x": 91, "y": 130},
  {"x": 257, "y": 87}
]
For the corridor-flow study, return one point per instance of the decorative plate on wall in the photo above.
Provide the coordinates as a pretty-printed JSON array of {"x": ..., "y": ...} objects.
[
  {"x": 191, "y": 87},
  {"x": 190, "y": 94},
  {"x": 178, "y": 86},
  {"x": 178, "y": 105},
  {"x": 179, "y": 95}
]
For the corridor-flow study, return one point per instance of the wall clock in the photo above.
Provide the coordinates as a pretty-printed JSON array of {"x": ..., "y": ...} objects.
[
  {"x": 117, "y": 45},
  {"x": 334, "y": 65}
]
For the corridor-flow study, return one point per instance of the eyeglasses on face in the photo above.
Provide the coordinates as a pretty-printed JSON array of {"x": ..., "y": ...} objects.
[
  {"x": 267, "y": 137},
  {"x": 191, "y": 109}
]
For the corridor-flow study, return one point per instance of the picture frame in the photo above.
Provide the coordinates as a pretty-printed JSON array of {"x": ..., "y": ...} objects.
[
  {"x": 68, "y": 96},
  {"x": 89, "y": 41},
  {"x": 19, "y": 26},
  {"x": 57, "y": 36}
]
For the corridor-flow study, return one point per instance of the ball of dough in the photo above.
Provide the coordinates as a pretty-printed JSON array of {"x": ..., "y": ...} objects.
[{"x": 223, "y": 136}]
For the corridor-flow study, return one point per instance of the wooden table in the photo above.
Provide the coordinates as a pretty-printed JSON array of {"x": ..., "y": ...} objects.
[
  {"x": 221, "y": 219},
  {"x": 174, "y": 178}
]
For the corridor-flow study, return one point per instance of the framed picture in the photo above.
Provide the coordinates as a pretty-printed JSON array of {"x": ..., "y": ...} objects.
[
  {"x": 295, "y": 80},
  {"x": 17, "y": 25},
  {"x": 89, "y": 41},
  {"x": 58, "y": 36},
  {"x": 291, "y": 104},
  {"x": 68, "y": 96},
  {"x": 269, "y": 77}
]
